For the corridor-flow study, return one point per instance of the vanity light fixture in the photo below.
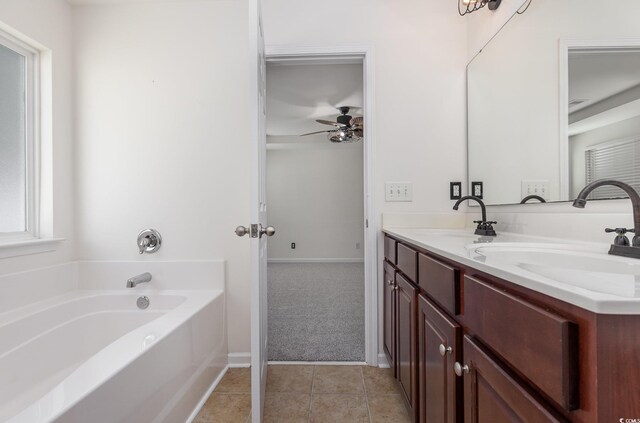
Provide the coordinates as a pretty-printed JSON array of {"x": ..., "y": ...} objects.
[{"x": 468, "y": 6}]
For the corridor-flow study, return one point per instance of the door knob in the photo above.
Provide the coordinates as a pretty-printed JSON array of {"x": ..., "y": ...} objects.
[
  {"x": 242, "y": 231},
  {"x": 268, "y": 231},
  {"x": 255, "y": 231},
  {"x": 444, "y": 350},
  {"x": 460, "y": 369}
]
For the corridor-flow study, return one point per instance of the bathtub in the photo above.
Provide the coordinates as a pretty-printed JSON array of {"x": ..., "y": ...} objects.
[{"x": 94, "y": 356}]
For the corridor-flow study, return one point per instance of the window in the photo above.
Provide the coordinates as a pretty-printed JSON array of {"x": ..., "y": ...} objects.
[
  {"x": 620, "y": 161},
  {"x": 18, "y": 139}
]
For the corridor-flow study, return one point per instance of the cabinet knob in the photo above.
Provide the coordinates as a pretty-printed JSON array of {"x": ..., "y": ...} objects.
[
  {"x": 444, "y": 350},
  {"x": 395, "y": 288},
  {"x": 390, "y": 282},
  {"x": 460, "y": 369}
]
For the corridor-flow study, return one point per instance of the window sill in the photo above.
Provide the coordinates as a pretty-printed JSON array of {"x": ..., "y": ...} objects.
[{"x": 24, "y": 247}]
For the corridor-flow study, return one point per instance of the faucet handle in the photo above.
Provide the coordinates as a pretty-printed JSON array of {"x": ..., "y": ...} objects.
[
  {"x": 619, "y": 231},
  {"x": 621, "y": 238},
  {"x": 149, "y": 241}
]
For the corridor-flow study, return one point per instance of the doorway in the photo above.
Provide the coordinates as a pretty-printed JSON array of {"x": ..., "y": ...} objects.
[{"x": 319, "y": 266}]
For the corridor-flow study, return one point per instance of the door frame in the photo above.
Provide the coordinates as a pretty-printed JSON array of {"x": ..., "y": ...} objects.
[{"x": 276, "y": 53}]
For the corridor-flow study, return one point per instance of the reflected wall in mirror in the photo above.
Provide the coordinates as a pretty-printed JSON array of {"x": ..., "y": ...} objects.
[{"x": 554, "y": 102}]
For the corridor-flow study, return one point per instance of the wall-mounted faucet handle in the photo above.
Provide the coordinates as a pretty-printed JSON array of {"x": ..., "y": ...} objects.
[{"x": 149, "y": 241}]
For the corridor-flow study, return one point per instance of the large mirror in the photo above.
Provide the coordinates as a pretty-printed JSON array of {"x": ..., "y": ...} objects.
[{"x": 554, "y": 102}]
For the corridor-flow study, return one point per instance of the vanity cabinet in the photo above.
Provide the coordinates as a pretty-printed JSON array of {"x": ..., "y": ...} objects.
[
  {"x": 438, "y": 350},
  {"x": 491, "y": 395},
  {"x": 389, "y": 304},
  {"x": 406, "y": 340},
  {"x": 467, "y": 346}
]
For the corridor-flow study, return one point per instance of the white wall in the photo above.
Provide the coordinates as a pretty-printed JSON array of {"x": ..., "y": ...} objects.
[
  {"x": 316, "y": 200},
  {"x": 483, "y": 25},
  {"x": 48, "y": 24},
  {"x": 162, "y": 95}
]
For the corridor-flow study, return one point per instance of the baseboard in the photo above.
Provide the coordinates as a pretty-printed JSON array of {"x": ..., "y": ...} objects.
[
  {"x": 382, "y": 361},
  {"x": 318, "y": 363},
  {"x": 239, "y": 360},
  {"x": 315, "y": 260},
  {"x": 206, "y": 396}
]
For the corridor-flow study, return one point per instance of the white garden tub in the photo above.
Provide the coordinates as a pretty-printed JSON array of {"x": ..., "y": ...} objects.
[{"x": 94, "y": 356}]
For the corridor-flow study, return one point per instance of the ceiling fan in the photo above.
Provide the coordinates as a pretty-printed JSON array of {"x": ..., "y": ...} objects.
[{"x": 347, "y": 128}]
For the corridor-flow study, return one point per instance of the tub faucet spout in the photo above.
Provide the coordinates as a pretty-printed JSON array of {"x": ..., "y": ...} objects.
[{"x": 134, "y": 281}]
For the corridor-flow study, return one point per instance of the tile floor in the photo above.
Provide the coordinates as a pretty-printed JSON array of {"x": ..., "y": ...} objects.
[{"x": 299, "y": 393}]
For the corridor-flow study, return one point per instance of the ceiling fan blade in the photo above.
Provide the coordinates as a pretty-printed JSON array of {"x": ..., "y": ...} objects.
[
  {"x": 317, "y": 132},
  {"x": 328, "y": 122}
]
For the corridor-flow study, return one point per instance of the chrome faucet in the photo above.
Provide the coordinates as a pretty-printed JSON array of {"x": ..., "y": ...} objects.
[
  {"x": 134, "y": 281},
  {"x": 621, "y": 245},
  {"x": 485, "y": 227}
]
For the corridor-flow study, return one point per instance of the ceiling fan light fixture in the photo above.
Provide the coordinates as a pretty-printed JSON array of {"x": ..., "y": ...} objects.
[{"x": 470, "y": 6}]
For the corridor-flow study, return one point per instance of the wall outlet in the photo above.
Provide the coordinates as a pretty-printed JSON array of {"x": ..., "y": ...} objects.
[
  {"x": 535, "y": 187},
  {"x": 293, "y": 245},
  {"x": 398, "y": 191},
  {"x": 455, "y": 190},
  {"x": 477, "y": 189}
]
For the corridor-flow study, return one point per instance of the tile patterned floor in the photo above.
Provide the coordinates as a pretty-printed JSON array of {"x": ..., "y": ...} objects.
[{"x": 305, "y": 394}]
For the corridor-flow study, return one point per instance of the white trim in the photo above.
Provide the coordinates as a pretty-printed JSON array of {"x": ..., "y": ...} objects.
[
  {"x": 566, "y": 44},
  {"x": 317, "y": 363},
  {"x": 24, "y": 247},
  {"x": 372, "y": 231},
  {"x": 316, "y": 260},
  {"x": 383, "y": 363},
  {"x": 32, "y": 129},
  {"x": 206, "y": 395},
  {"x": 239, "y": 359}
]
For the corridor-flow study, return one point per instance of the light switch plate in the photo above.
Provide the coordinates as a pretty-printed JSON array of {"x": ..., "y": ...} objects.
[
  {"x": 535, "y": 187},
  {"x": 398, "y": 191}
]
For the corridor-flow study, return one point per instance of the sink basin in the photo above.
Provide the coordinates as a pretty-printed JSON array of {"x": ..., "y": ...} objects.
[{"x": 584, "y": 268}]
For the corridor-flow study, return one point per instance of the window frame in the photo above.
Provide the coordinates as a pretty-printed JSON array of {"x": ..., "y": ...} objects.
[{"x": 32, "y": 139}]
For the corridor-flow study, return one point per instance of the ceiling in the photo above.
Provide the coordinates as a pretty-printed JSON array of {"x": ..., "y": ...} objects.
[
  {"x": 298, "y": 94},
  {"x": 600, "y": 74}
]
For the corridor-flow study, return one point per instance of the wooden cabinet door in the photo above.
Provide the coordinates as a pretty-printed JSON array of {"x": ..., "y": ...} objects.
[
  {"x": 390, "y": 316},
  {"x": 439, "y": 389},
  {"x": 406, "y": 336},
  {"x": 491, "y": 395}
]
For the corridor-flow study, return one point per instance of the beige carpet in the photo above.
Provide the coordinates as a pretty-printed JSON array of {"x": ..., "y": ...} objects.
[{"x": 316, "y": 311}]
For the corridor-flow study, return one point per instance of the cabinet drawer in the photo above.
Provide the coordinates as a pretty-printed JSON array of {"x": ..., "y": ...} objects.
[
  {"x": 440, "y": 281},
  {"x": 390, "y": 249},
  {"x": 408, "y": 261},
  {"x": 538, "y": 344}
]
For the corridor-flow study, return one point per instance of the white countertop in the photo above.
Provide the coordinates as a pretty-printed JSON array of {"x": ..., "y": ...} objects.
[{"x": 582, "y": 285}]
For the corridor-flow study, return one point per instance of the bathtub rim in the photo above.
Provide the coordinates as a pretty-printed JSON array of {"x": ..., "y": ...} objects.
[{"x": 115, "y": 357}]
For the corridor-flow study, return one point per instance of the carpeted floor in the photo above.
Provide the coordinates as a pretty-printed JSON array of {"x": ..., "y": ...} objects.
[{"x": 316, "y": 311}]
